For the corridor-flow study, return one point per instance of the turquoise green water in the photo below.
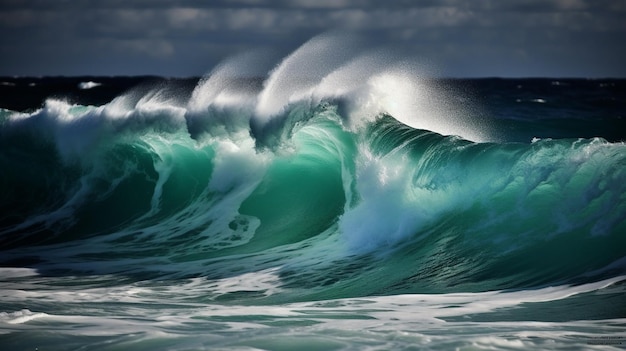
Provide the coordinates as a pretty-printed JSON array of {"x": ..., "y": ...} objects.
[{"x": 330, "y": 223}]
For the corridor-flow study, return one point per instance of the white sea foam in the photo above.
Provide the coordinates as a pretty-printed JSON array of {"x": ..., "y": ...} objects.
[
  {"x": 173, "y": 313},
  {"x": 20, "y": 317},
  {"x": 88, "y": 85},
  {"x": 266, "y": 282},
  {"x": 16, "y": 272}
]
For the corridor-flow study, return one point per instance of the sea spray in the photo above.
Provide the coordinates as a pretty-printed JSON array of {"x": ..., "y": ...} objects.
[{"x": 365, "y": 205}]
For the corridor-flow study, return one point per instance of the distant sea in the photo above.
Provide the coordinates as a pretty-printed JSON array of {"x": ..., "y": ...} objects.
[{"x": 352, "y": 207}]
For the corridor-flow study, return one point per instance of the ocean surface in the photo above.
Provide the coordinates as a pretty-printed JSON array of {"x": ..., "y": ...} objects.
[{"x": 342, "y": 203}]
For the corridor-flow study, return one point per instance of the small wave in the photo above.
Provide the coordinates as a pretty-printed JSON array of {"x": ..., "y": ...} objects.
[
  {"x": 537, "y": 100},
  {"x": 88, "y": 85},
  {"x": 17, "y": 272},
  {"x": 20, "y": 317}
]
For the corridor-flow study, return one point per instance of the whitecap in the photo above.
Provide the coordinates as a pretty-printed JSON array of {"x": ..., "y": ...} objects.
[{"x": 88, "y": 85}]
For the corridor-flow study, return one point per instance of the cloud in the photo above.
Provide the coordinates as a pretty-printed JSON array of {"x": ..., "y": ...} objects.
[
  {"x": 452, "y": 32},
  {"x": 155, "y": 48}
]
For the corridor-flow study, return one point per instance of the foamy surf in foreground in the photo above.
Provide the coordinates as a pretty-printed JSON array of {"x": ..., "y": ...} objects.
[
  {"x": 185, "y": 317},
  {"x": 342, "y": 201}
]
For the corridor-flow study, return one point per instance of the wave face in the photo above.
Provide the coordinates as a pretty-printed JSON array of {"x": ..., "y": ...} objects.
[{"x": 348, "y": 178}]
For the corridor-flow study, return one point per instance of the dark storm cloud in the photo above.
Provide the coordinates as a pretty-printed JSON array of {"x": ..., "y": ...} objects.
[{"x": 188, "y": 37}]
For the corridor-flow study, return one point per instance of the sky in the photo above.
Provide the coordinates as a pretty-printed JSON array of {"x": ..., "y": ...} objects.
[{"x": 182, "y": 38}]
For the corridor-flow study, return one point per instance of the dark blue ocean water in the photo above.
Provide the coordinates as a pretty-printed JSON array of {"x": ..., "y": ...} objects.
[{"x": 352, "y": 205}]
